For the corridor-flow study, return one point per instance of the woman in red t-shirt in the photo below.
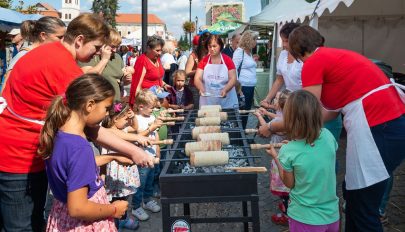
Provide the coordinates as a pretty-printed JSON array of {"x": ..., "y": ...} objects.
[
  {"x": 347, "y": 82},
  {"x": 216, "y": 77},
  {"x": 39, "y": 76},
  {"x": 148, "y": 68}
]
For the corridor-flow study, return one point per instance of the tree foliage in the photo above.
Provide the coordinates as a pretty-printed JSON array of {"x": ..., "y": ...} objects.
[
  {"x": 107, "y": 9},
  {"x": 6, "y": 4}
]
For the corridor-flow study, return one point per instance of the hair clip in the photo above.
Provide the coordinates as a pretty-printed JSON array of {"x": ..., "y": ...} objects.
[{"x": 117, "y": 107}]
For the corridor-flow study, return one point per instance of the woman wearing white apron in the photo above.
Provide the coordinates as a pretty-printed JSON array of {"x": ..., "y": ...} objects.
[
  {"x": 215, "y": 77},
  {"x": 374, "y": 118}
]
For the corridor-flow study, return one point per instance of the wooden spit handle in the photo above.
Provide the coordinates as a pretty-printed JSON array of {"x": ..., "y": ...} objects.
[
  {"x": 265, "y": 146},
  {"x": 251, "y": 131},
  {"x": 248, "y": 169},
  {"x": 165, "y": 141},
  {"x": 166, "y": 123},
  {"x": 174, "y": 111},
  {"x": 246, "y": 111},
  {"x": 171, "y": 118}
]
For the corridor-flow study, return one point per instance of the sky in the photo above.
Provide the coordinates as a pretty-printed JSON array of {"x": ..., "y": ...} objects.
[{"x": 172, "y": 12}]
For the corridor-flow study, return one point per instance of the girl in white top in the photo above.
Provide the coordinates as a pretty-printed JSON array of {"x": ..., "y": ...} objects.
[{"x": 288, "y": 68}]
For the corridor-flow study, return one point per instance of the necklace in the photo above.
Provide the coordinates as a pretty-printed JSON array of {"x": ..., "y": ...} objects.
[{"x": 156, "y": 63}]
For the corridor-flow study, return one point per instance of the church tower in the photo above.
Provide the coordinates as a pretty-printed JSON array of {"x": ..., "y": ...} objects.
[{"x": 70, "y": 10}]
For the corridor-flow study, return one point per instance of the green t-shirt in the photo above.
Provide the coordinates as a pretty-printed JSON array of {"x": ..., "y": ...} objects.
[
  {"x": 163, "y": 129},
  {"x": 313, "y": 198},
  {"x": 112, "y": 72}
]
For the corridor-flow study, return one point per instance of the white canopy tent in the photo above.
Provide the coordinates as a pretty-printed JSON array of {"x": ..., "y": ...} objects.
[{"x": 373, "y": 28}]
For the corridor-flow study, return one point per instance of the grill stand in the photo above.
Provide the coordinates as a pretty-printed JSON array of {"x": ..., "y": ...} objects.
[{"x": 186, "y": 189}]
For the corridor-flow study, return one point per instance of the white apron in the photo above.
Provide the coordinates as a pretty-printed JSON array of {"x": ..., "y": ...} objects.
[
  {"x": 3, "y": 106},
  {"x": 364, "y": 165},
  {"x": 215, "y": 78}
]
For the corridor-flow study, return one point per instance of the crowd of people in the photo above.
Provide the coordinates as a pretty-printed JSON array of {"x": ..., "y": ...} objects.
[{"x": 65, "y": 100}]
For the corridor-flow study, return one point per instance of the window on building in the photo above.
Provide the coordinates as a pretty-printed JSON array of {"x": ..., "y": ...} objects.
[
  {"x": 66, "y": 1},
  {"x": 66, "y": 16},
  {"x": 70, "y": 16},
  {"x": 119, "y": 32},
  {"x": 129, "y": 32},
  {"x": 70, "y": 1}
]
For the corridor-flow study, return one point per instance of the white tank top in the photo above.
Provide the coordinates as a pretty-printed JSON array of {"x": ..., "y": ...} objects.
[{"x": 143, "y": 124}]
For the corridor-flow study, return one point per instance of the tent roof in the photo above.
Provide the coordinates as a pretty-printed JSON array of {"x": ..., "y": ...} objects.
[
  {"x": 14, "y": 18},
  {"x": 293, "y": 10}
]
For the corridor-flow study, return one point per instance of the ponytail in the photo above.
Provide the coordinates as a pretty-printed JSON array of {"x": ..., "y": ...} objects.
[{"x": 57, "y": 115}]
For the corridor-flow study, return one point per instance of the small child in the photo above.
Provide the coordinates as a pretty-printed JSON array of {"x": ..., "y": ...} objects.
[
  {"x": 307, "y": 166},
  {"x": 80, "y": 202},
  {"x": 121, "y": 181},
  {"x": 277, "y": 187},
  {"x": 146, "y": 124},
  {"x": 181, "y": 96}
]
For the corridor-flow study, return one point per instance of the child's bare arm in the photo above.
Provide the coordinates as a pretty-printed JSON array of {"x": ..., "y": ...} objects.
[
  {"x": 107, "y": 158},
  {"x": 189, "y": 107},
  {"x": 286, "y": 177},
  {"x": 81, "y": 208},
  {"x": 157, "y": 146},
  {"x": 142, "y": 140}
]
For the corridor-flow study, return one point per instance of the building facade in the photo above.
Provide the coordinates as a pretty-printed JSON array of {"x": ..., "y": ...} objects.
[
  {"x": 130, "y": 26},
  {"x": 70, "y": 10}
]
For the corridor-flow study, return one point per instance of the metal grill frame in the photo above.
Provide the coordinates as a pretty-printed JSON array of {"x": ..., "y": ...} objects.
[{"x": 198, "y": 188}]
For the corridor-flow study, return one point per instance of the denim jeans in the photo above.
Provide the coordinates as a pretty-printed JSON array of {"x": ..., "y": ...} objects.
[
  {"x": 22, "y": 200},
  {"x": 386, "y": 196},
  {"x": 248, "y": 92},
  {"x": 145, "y": 191},
  {"x": 362, "y": 205}
]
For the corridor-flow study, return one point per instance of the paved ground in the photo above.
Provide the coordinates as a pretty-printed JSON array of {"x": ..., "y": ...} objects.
[{"x": 268, "y": 203}]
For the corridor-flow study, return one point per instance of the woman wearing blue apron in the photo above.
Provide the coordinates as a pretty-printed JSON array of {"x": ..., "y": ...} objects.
[
  {"x": 215, "y": 77},
  {"x": 374, "y": 118}
]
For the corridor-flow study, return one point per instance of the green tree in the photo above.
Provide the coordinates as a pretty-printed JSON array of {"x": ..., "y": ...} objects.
[
  {"x": 107, "y": 9},
  {"x": 31, "y": 9},
  {"x": 6, "y": 4}
]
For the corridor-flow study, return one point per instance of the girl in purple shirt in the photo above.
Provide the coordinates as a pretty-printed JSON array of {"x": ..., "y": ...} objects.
[{"x": 81, "y": 202}]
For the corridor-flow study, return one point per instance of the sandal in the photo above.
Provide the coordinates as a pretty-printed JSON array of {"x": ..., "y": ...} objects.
[
  {"x": 279, "y": 219},
  {"x": 128, "y": 223},
  {"x": 281, "y": 207}
]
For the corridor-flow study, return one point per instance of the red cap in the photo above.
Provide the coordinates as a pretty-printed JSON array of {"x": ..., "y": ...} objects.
[{"x": 195, "y": 40}]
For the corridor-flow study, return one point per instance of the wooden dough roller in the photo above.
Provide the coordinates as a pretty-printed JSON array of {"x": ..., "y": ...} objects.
[
  {"x": 165, "y": 141},
  {"x": 222, "y": 115},
  {"x": 204, "y": 130},
  {"x": 223, "y": 137},
  {"x": 211, "y": 107},
  {"x": 208, "y": 158},
  {"x": 213, "y": 145},
  {"x": 208, "y": 121},
  {"x": 246, "y": 111},
  {"x": 166, "y": 123},
  {"x": 251, "y": 131},
  {"x": 265, "y": 146},
  {"x": 171, "y": 118}
]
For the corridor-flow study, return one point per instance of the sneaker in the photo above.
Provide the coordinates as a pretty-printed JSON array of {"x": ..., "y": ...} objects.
[
  {"x": 140, "y": 214},
  {"x": 152, "y": 206},
  {"x": 128, "y": 223}
]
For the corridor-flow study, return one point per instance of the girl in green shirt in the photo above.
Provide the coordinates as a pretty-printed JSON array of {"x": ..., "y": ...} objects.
[{"x": 307, "y": 166}]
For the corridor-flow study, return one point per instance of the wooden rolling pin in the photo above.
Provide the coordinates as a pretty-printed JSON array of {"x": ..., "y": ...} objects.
[
  {"x": 246, "y": 111},
  {"x": 214, "y": 145},
  {"x": 222, "y": 115},
  {"x": 170, "y": 111},
  {"x": 208, "y": 121},
  {"x": 204, "y": 130},
  {"x": 248, "y": 169},
  {"x": 166, "y": 123},
  {"x": 181, "y": 118},
  {"x": 160, "y": 142},
  {"x": 208, "y": 158},
  {"x": 211, "y": 107},
  {"x": 223, "y": 137},
  {"x": 251, "y": 131},
  {"x": 265, "y": 146}
]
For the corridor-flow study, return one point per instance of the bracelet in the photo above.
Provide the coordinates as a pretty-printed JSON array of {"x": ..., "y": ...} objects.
[{"x": 269, "y": 126}]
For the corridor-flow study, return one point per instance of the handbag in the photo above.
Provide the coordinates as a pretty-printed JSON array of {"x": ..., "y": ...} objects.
[{"x": 240, "y": 66}]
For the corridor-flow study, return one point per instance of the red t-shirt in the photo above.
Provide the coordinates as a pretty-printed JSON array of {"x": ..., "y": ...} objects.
[
  {"x": 346, "y": 76},
  {"x": 153, "y": 76},
  {"x": 227, "y": 60},
  {"x": 36, "y": 79}
]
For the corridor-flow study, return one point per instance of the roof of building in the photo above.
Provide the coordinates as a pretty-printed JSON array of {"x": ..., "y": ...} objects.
[
  {"x": 46, "y": 6},
  {"x": 137, "y": 18},
  {"x": 46, "y": 9}
]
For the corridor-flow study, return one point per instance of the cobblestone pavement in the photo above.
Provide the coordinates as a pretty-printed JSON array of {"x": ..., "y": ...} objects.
[{"x": 268, "y": 202}]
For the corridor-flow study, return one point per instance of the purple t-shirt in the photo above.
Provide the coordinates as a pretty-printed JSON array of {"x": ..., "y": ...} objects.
[{"x": 72, "y": 166}]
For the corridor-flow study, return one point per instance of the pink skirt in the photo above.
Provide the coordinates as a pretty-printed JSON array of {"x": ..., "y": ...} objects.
[{"x": 59, "y": 219}]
